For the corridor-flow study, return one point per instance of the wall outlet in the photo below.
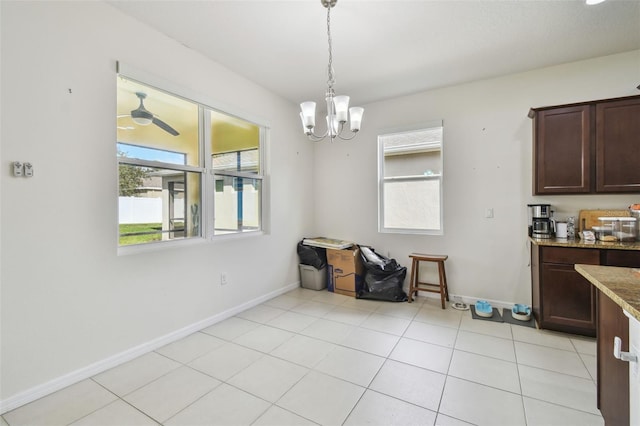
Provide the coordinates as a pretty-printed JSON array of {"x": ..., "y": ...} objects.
[
  {"x": 18, "y": 169},
  {"x": 223, "y": 279},
  {"x": 28, "y": 170}
]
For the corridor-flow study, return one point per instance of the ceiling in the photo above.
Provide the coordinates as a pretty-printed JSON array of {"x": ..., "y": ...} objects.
[{"x": 384, "y": 49}]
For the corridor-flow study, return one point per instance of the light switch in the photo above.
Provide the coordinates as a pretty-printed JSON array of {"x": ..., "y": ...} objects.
[{"x": 488, "y": 213}]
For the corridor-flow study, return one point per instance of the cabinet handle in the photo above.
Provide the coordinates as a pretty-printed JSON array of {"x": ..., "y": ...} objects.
[{"x": 619, "y": 354}]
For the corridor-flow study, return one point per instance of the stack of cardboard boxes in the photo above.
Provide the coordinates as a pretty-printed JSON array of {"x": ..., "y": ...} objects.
[{"x": 344, "y": 272}]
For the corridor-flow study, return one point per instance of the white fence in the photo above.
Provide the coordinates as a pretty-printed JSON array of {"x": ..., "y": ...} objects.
[{"x": 144, "y": 210}]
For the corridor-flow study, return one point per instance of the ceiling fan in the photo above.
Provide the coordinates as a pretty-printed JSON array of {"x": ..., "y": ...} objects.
[{"x": 144, "y": 117}]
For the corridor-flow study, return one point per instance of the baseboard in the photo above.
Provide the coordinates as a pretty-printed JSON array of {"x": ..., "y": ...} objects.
[
  {"x": 62, "y": 382},
  {"x": 469, "y": 300}
]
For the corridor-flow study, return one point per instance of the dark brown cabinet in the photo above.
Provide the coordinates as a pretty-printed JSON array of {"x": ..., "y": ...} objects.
[
  {"x": 618, "y": 146},
  {"x": 562, "y": 299},
  {"x": 562, "y": 150},
  {"x": 613, "y": 374},
  {"x": 586, "y": 148}
]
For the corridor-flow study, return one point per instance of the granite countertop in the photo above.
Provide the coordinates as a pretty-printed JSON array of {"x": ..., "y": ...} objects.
[
  {"x": 578, "y": 243},
  {"x": 622, "y": 285}
]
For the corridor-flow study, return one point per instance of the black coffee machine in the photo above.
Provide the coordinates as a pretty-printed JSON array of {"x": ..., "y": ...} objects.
[{"x": 540, "y": 222}]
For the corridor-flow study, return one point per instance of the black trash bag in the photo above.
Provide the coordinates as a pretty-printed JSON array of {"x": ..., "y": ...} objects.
[
  {"x": 383, "y": 278},
  {"x": 313, "y": 256}
]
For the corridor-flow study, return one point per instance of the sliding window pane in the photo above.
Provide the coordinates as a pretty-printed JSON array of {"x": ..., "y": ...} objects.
[
  {"x": 237, "y": 204},
  {"x": 412, "y": 204},
  {"x": 235, "y": 144},
  {"x": 157, "y": 204}
]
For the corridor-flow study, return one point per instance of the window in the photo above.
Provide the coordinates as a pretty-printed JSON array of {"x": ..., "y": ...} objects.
[
  {"x": 185, "y": 169},
  {"x": 410, "y": 180},
  {"x": 235, "y": 157}
]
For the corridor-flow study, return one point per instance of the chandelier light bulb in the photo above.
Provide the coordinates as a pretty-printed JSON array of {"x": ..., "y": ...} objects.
[
  {"x": 305, "y": 129},
  {"x": 356, "y": 118},
  {"x": 341, "y": 104},
  {"x": 308, "y": 114}
]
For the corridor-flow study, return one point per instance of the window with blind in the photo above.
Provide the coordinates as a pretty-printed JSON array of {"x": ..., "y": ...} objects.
[{"x": 410, "y": 180}]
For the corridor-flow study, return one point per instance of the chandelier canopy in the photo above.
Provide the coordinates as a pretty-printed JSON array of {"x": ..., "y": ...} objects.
[{"x": 338, "y": 111}]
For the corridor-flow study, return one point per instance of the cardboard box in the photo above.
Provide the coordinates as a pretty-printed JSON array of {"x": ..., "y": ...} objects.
[{"x": 345, "y": 271}]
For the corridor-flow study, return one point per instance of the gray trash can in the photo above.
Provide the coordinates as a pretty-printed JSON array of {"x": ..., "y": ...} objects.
[{"x": 312, "y": 278}]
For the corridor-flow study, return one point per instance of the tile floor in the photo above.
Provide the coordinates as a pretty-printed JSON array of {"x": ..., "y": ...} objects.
[{"x": 310, "y": 357}]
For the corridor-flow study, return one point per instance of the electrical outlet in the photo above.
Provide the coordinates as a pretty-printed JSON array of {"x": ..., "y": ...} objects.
[
  {"x": 28, "y": 170},
  {"x": 18, "y": 169},
  {"x": 223, "y": 279}
]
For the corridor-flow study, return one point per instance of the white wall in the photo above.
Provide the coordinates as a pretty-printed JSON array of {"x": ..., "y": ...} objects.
[
  {"x": 68, "y": 299},
  {"x": 487, "y": 164}
]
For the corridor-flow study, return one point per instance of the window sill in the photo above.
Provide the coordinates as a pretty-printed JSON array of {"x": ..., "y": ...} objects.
[{"x": 159, "y": 246}]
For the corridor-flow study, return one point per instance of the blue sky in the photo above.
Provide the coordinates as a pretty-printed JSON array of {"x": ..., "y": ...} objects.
[{"x": 151, "y": 154}]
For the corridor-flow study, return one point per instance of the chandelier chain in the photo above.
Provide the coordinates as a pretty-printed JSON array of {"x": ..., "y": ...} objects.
[{"x": 331, "y": 79}]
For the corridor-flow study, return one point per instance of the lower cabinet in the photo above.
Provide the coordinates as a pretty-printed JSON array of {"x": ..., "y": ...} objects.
[
  {"x": 564, "y": 300},
  {"x": 613, "y": 374}
]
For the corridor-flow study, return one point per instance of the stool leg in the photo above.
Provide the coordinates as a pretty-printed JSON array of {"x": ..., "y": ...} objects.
[
  {"x": 444, "y": 279},
  {"x": 443, "y": 283},
  {"x": 412, "y": 281}
]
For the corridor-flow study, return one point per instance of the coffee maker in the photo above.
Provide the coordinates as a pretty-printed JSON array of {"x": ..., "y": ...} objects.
[{"x": 540, "y": 222}]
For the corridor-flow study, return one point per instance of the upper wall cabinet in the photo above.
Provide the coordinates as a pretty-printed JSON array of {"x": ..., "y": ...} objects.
[{"x": 591, "y": 147}]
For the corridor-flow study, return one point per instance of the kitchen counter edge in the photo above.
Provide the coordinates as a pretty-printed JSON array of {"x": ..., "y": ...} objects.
[
  {"x": 622, "y": 285},
  {"x": 578, "y": 243}
]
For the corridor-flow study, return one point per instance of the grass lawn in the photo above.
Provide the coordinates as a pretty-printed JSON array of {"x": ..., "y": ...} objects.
[{"x": 139, "y": 231}]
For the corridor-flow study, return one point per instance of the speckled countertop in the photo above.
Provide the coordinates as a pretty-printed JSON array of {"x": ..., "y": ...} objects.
[
  {"x": 578, "y": 243},
  {"x": 622, "y": 285}
]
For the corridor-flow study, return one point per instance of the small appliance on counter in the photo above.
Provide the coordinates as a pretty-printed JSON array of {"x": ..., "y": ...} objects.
[{"x": 540, "y": 222}]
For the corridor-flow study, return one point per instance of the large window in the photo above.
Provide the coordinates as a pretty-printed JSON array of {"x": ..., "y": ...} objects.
[
  {"x": 410, "y": 180},
  {"x": 185, "y": 169}
]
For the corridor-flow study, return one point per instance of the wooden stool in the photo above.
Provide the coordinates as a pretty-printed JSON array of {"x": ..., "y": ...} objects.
[{"x": 415, "y": 285}]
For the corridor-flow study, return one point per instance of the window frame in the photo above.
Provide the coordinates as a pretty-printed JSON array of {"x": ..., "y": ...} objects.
[
  {"x": 413, "y": 178},
  {"x": 205, "y": 166}
]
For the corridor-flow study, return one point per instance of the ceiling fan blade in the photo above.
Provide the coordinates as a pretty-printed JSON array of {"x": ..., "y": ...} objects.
[{"x": 164, "y": 126}]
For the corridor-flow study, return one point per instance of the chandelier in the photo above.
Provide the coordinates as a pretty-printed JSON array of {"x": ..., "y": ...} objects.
[{"x": 338, "y": 111}]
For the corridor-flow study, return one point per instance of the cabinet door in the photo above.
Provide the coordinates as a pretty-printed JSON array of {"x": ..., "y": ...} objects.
[
  {"x": 568, "y": 300},
  {"x": 618, "y": 146},
  {"x": 562, "y": 158},
  {"x": 613, "y": 374}
]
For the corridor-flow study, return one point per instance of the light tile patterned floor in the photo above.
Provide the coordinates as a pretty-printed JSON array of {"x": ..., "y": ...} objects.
[{"x": 313, "y": 357}]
